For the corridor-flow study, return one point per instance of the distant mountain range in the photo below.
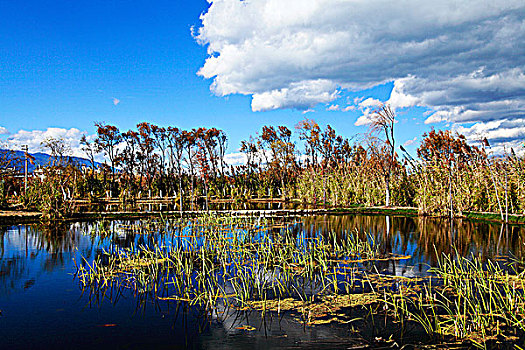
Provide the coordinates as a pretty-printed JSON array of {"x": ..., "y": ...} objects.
[{"x": 43, "y": 159}]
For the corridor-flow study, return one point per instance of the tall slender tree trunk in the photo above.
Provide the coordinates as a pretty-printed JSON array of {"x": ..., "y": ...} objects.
[
  {"x": 387, "y": 191},
  {"x": 506, "y": 196},
  {"x": 283, "y": 192},
  {"x": 451, "y": 208},
  {"x": 180, "y": 193},
  {"x": 324, "y": 186},
  {"x": 192, "y": 193},
  {"x": 206, "y": 194},
  {"x": 496, "y": 192}
]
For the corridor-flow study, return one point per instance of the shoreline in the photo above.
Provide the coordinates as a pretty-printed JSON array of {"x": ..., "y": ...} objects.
[{"x": 21, "y": 217}]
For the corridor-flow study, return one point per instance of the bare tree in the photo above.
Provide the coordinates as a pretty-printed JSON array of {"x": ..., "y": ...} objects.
[
  {"x": 383, "y": 122},
  {"x": 58, "y": 148},
  {"x": 90, "y": 149}
]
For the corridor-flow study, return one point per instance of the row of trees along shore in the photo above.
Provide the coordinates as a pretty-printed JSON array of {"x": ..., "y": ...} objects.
[{"x": 448, "y": 176}]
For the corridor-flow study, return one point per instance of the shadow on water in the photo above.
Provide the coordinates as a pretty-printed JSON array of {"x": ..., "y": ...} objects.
[{"x": 40, "y": 299}]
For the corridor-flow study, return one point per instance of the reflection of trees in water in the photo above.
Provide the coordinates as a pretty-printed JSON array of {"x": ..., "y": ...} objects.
[
  {"x": 27, "y": 251},
  {"x": 11, "y": 272},
  {"x": 55, "y": 240},
  {"x": 421, "y": 237},
  {"x": 119, "y": 234},
  {"x": 467, "y": 237},
  {"x": 163, "y": 206},
  {"x": 192, "y": 319},
  {"x": 122, "y": 233},
  {"x": 3, "y": 232},
  {"x": 13, "y": 264}
]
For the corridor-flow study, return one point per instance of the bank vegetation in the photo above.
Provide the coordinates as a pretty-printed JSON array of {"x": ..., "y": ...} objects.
[{"x": 447, "y": 176}]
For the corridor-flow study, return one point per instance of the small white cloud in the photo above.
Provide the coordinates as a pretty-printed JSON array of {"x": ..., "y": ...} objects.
[
  {"x": 368, "y": 107},
  {"x": 348, "y": 108},
  {"x": 357, "y": 100},
  {"x": 365, "y": 119},
  {"x": 398, "y": 99},
  {"x": 333, "y": 108},
  {"x": 235, "y": 159},
  {"x": 370, "y": 102},
  {"x": 3, "y": 131},
  {"x": 409, "y": 142},
  {"x": 302, "y": 95},
  {"x": 116, "y": 101}
]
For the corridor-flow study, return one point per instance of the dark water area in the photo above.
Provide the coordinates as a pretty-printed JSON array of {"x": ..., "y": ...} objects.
[{"x": 43, "y": 305}]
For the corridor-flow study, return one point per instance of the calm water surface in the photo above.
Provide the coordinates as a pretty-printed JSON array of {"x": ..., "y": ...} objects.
[{"x": 42, "y": 304}]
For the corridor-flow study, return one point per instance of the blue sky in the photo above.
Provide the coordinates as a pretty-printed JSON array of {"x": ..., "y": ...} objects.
[{"x": 62, "y": 64}]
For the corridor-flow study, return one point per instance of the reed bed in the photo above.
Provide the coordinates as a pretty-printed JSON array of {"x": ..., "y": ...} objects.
[
  {"x": 233, "y": 260},
  {"x": 257, "y": 264}
]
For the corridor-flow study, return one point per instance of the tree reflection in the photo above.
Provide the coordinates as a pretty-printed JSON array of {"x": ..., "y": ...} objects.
[
  {"x": 28, "y": 251},
  {"x": 423, "y": 237}
]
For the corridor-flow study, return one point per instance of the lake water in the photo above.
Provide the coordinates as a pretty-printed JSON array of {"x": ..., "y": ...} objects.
[{"x": 42, "y": 303}]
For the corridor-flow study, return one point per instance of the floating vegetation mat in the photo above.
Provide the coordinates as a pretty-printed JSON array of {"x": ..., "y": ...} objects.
[{"x": 248, "y": 265}]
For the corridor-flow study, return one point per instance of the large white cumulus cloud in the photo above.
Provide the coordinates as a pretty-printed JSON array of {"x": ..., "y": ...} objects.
[{"x": 463, "y": 59}]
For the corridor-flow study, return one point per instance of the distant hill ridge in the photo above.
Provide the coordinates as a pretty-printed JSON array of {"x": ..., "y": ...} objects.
[{"x": 43, "y": 159}]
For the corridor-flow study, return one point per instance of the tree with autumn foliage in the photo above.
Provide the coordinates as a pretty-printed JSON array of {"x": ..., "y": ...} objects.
[
  {"x": 327, "y": 171},
  {"x": 190, "y": 143},
  {"x": 160, "y": 142},
  {"x": 450, "y": 165},
  {"x": 92, "y": 185},
  {"x": 203, "y": 156},
  {"x": 90, "y": 150},
  {"x": 107, "y": 141},
  {"x": 281, "y": 161},
  {"x": 129, "y": 163},
  {"x": 148, "y": 159},
  {"x": 249, "y": 148},
  {"x": 176, "y": 143},
  {"x": 444, "y": 146},
  {"x": 309, "y": 132}
]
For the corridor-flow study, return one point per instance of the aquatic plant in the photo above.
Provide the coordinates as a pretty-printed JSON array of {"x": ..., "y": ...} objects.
[
  {"x": 233, "y": 260},
  {"x": 466, "y": 299},
  {"x": 263, "y": 265}
]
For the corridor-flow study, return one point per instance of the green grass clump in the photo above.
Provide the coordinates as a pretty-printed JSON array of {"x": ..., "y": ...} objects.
[{"x": 466, "y": 299}]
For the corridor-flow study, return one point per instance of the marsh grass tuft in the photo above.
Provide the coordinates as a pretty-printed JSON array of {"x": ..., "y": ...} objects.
[{"x": 467, "y": 299}]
